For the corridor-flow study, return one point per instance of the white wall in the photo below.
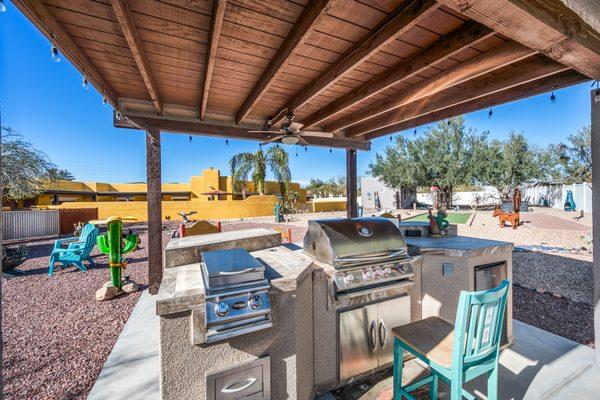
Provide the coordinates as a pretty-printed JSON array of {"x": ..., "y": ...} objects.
[
  {"x": 582, "y": 195},
  {"x": 542, "y": 194},
  {"x": 488, "y": 196}
]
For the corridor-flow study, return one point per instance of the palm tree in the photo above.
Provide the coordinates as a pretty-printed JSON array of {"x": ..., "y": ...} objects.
[{"x": 275, "y": 159}]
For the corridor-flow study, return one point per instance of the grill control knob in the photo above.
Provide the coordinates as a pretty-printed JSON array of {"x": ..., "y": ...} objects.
[
  {"x": 368, "y": 274},
  {"x": 349, "y": 278},
  {"x": 255, "y": 302},
  {"x": 378, "y": 272},
  {"x": 402, "y": 267},
  {"x": 387, "y": 271},
  {"x": 222, "y": 309}
]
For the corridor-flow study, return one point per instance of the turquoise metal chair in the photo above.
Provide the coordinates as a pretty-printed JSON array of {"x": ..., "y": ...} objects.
[
  {"x": 86, "y": 230},
  {"x": 76, "y": 253},
  {"x": 455, "y": 354}
]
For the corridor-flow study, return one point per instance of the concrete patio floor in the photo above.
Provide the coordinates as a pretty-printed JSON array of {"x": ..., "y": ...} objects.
[{"x": 540, "y": 365}]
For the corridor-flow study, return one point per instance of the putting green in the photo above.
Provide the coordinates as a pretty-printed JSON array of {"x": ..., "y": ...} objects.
[{"x": 453, "y": 218}]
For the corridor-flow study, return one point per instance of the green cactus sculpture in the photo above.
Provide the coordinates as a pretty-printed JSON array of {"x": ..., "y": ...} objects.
[{"x": 112, "y": 244}]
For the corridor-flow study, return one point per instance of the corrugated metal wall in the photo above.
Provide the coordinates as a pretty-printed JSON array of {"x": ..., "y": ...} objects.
[{"x": 30, "y": 224}]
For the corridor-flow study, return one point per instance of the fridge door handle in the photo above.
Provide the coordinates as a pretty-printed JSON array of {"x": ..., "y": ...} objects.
[
  {"x": 383, "y": 334},
  {"x": 372, "y": 334}
]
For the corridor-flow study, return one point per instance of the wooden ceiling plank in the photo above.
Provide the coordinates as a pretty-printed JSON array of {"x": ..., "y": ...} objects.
[
  {"x": 552, "y": 27},
  {"x": 205, "y": 128},
  {"x": 400, "y": 21},
  {"x": 130, "y": 32},
  {"x": 53, "y": 30},
  {"x": 466, "y": 35},
  {"x": 496, "y": 58},
  {"x": 216, "y": 25},
  {"x": 554, "y": 82},
  {"x": 531, "y": 71},
  {"x": 307, "y": 21}
]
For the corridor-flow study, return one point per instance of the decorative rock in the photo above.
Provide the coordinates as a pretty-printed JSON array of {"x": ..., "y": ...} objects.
[
  {"x": 130, "y": 287},
  {"x": 106, "y": 293}
]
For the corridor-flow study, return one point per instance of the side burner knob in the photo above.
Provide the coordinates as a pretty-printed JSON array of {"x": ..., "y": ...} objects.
[
  {"x": 368, "y": 274},
  {"x": 349, "y": 278},
  {"x": 387, "y": 271},
  {"x": 255, "y": 302},
  {"x": 222, "y": 309}
]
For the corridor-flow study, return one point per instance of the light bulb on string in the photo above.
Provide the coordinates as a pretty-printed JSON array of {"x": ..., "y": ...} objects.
[
  {"x": 415, "y": 132},
  {"x": 54, "y": 52},
  {"x": 305, "y": 149},
  {"x": 84, "y": 83},
  {"x": 391, "y": 139},
  {"x": 330, "y": 151},
  {"x": 296, "y": 151},
  {"x": 104, "y": 102},
  {"x": 119, "y": 116},
  {"x": 226, "y": 142},
  {"x": 490, "y": 113},
  {"x": 553, "y": 97},
  {"x": 190, "y": 139},
  {"x": 2, "y": 6}
]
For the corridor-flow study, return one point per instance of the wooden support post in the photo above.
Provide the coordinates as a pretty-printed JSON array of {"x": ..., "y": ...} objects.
[
  {"x": 351, "y": 184},
  {"x": 154, "y": 198},
  {"x": 596, "y": 213}
]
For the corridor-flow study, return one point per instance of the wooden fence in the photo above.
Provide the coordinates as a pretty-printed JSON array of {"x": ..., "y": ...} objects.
[{"x": 69, "y": 217}]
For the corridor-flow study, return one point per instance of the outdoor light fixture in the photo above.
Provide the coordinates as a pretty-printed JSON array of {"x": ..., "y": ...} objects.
[
  {"x": 490, "y": 113},
  {"x": 290, "y": 139},
  {"x": 2, "y": 6},
  {"x": 54, "y": 53},
  {"x": 553, "y": 97},
  {"x": 85, "y": 84}
]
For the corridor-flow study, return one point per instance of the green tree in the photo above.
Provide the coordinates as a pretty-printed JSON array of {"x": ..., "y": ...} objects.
[
  {"x": 439, "y": 158},
  {"x": 256, "y": 165},
  {"x": 24, "y": 168},
  {"x": 331, "y": 187},
  {"x": 56, "y": 174},
  {"x": 508, "y": 164},
  {"x": 575, "y": 158}
]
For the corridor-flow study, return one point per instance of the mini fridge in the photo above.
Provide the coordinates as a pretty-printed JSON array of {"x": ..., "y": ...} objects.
[{"x": 488, "y": 276}]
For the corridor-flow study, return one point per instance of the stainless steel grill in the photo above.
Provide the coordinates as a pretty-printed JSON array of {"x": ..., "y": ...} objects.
[
  {"x": 237, "y": 294},
  {"x": 373, "y": 280}
]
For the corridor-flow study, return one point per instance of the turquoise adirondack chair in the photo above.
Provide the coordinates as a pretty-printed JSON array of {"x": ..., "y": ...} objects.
[
  {"x": 86, "y": 230},
  {"x": 456, "y": 354},
  {"x": 77, "y": 251}
]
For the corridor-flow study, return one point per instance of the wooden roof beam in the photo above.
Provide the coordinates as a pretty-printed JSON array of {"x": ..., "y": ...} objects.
[
  {"x": 403, "y": 18},
  {"x": 53, "y": 30},
  {"x": 216, "y": 24},
  {"x": 557, "y": 28},
  {"x": 305, "y": 25},
  {"x": 465, "y": 36},
  {"x": 123, "y": 14},
  {"x": 491, "y": 60},
  {"x": 554, "y": 82},
  {"x": 535, "y": 69},
  {"x": 203, "y": 128}
]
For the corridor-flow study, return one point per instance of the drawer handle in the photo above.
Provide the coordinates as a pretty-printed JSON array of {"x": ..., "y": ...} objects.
[
  {"x": 233, "y": 389},
  {"x": 229, "y": 273}
]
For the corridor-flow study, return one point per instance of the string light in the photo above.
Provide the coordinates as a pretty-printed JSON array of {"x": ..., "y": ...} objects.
[
  {"x": 330, "y": 151},
  {"x": 119, "y": 116},
  {"x": 415, "y": 131},
  {"x": 54, "y": 51},
  {"x": 190, "y": 139},
  {"x": 490, "y": 113},
  {"x": 305, "y": 149},
  {"x": 2, "y": 6},
  {"x": 226, "y": 142},
  {"x": 449, "y": 121},
  {"x": 553, "y": 97},
  {"x": 296, "y": 151},
  {"x": 84, "y": 83},
  {"x": 104, "y": 102},
  {"x": 391, "y": 138},
  {"x": 259, "y": 145}
]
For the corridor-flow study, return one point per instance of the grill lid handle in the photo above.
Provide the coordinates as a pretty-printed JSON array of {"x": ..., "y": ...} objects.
[
  {"x": 370, "y": 257},
  {"x": 242, "y": 271}
]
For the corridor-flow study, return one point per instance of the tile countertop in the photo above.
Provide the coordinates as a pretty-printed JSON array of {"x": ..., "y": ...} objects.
[
  {"x": 455, "y": 246},
  {"x": 182, "y": 288}
]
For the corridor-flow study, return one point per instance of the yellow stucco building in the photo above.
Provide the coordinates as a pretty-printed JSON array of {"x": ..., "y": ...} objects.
[{"x": 210, "y": 195}]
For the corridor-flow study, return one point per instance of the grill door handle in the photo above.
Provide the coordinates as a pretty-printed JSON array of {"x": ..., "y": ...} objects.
[
  {"x": 383, "y": 336},
  {"x": 233, "y": 388},
  {"x": 372, "y": 333}
]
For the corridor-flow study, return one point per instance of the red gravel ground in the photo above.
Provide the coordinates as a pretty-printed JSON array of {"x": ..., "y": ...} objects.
[{"x": 56, "y": 336}]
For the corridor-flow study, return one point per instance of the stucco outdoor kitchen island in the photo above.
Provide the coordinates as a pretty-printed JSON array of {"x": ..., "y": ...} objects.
[{"x": 328, "y": 322}]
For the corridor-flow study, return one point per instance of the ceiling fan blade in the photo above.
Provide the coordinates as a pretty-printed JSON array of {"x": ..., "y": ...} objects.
[
  {"x": 273, "y": 139},
  {"x": 302, "y": 141},
  {"x": 317, "y": 134},
  {"x": 295, "y": 127},
  {"x": 263, "y": 131}
]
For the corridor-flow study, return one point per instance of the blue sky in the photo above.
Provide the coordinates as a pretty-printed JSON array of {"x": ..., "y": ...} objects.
[{"x": 46, "y": 103}]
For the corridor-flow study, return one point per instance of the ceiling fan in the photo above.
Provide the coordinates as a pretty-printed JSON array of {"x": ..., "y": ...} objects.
[{"x": 289, "y": 132}]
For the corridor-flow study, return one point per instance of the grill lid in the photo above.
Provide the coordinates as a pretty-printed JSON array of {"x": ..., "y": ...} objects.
[
  {"x": 230, "y": 267},
  {"x": 344, "y": 241}
]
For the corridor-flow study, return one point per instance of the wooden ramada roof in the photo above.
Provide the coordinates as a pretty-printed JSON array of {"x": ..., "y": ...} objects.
[{"x": 361, "y": 69}]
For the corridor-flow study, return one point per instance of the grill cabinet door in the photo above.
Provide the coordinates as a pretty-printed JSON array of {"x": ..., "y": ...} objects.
[
  {"x": 357, "y": 341},
  {"x": 391, "y": 313}
]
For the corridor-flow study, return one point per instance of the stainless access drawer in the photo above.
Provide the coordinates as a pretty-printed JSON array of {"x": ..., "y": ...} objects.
[{"x": 247, "y": 381}]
